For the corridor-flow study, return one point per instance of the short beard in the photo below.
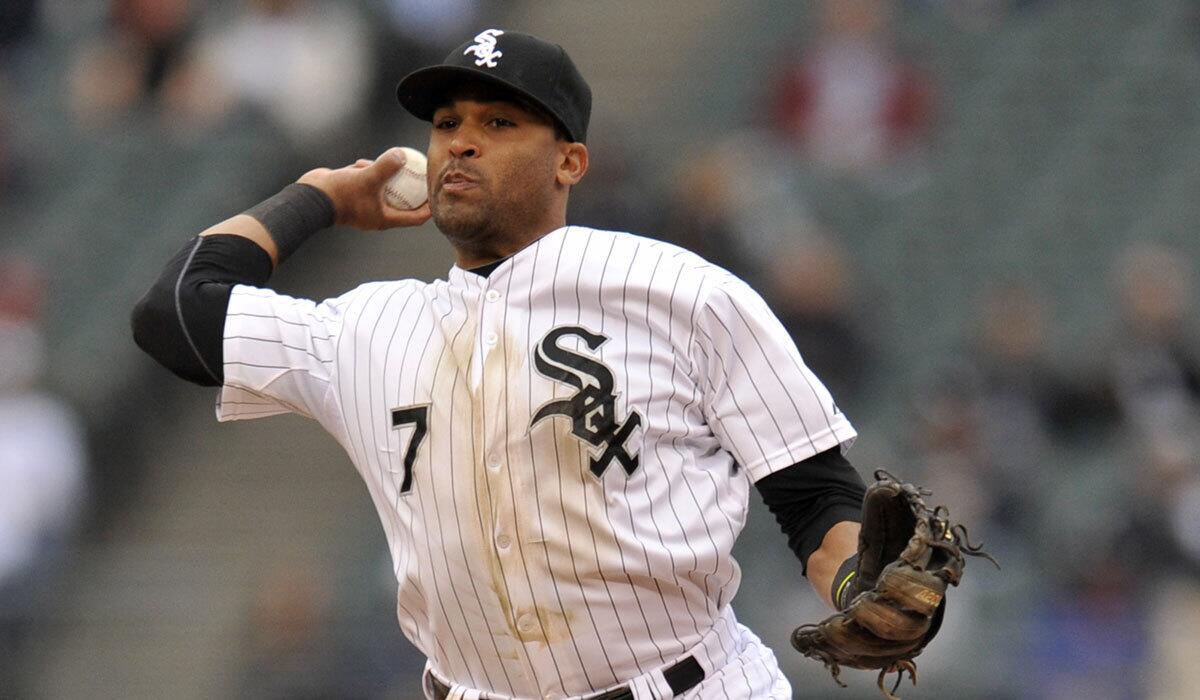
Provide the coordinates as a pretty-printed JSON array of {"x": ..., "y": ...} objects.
[
  {"x": 466, "y": 227},
  {"x": 488, "y": 230}
]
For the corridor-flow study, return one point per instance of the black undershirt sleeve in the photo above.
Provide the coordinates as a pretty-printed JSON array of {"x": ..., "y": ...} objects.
[
  {"x": 812, "y": 496},
  {"x": 180, "y": 321}
]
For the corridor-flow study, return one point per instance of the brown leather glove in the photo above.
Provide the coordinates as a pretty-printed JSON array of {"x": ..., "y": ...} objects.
[{"x": 892, "y": 603}]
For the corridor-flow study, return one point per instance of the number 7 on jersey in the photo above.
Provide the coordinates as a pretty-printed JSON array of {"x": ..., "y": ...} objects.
[{"x": 416, "y": 416}]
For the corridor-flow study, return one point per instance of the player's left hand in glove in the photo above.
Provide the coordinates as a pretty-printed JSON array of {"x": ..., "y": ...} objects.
[{"x": 892, "y": 602}]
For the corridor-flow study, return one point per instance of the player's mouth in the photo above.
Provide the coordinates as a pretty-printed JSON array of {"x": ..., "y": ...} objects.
[{"x": 458, "y": 181}]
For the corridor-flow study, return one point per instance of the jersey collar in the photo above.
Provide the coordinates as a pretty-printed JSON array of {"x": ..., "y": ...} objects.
[{"x": 491, "y": 272}]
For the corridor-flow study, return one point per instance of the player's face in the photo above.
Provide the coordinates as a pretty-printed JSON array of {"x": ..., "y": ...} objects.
[{"x": 492, "y": 171}]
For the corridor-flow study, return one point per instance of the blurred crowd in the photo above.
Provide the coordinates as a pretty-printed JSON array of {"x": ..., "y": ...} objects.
[
  {"x": 43, "y": 464},
  {"x": 1078, "y": 467}
]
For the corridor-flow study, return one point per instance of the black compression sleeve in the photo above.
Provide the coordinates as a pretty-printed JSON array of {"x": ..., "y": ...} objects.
[
  {"x": 180, "y": 321},
  {"x": 293, "y": 216},
  {"x": 812, "y": 496}
]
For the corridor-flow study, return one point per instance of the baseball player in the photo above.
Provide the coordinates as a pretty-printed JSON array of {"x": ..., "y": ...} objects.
[{"x": 560, "y": 436}]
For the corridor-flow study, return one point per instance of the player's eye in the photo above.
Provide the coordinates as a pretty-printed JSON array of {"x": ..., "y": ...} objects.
[
  {"x": 445, "y": 123},
  {"x": 502, "y": 122}
]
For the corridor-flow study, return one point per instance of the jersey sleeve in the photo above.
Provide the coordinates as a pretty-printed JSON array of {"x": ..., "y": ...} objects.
[
  {"x": 279, "y": 355},
  {"x": 765, "y": 406}
]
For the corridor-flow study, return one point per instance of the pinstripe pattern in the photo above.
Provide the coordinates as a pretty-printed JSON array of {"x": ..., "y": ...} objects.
[{"x": 520, "y": 571}]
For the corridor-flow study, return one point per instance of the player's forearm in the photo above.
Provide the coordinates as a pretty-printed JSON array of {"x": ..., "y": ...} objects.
[
  {"x": 838, "y": 545},
  {"x": 280, "y": 224},
  {"x": 810, "y": 497}
]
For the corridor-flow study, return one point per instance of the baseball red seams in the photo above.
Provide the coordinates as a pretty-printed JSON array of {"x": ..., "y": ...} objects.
[{"x": 396, "y": 197}]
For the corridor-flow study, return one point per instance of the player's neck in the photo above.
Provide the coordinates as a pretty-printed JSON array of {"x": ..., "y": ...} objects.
[{"x": 488, "y": 249}]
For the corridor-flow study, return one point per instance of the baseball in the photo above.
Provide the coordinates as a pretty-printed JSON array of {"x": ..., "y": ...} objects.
[{"x": 407, "y": 189}]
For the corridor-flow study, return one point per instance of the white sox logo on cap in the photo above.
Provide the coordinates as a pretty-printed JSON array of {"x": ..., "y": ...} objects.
[
  {"x": 537, "y": 70},
  {"x": 485, "y": 48}
]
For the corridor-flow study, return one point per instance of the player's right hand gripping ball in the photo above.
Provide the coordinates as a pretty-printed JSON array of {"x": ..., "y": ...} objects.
[
  {"x": 407, "y": 189},
  {"x": 908, "y": 554}
]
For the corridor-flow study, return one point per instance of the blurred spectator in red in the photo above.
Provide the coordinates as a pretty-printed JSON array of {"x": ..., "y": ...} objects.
[
  {"x": 132, "y": 64},
  {"x": 42, "y": 466},
  {"x": 307, "y": 66},
  {"x": 1156, "y": 362},
  {"x": 849, "y": 101}
]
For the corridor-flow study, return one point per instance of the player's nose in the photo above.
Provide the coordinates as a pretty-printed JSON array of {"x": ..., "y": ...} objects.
[{"x": 462, "y": 146}]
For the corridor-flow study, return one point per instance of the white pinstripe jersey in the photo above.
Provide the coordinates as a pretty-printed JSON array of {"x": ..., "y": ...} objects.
[{"x": 560, "y": 453}]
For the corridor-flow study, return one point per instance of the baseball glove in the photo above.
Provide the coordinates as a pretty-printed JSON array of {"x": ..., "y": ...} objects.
[{"x": 893, "y": 601}]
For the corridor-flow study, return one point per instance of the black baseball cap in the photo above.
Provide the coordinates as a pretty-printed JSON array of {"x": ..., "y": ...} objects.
[{"x": 536, "y": 70}]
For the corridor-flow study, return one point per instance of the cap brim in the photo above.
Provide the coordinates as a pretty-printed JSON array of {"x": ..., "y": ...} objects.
[{"x": 424, "y": 90}]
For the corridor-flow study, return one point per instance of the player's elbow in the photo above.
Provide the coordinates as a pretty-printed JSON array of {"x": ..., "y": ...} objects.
[
  {"x": 157, "y": 330},
  {"x": 139, "y": 322},
  {"x": 147, "y": 316}
]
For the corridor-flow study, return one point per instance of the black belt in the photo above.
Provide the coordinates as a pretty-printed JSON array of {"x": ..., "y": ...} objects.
[{"x": 681, "y": 676}]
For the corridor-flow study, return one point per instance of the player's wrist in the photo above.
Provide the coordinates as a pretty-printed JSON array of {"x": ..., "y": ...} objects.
[
  {"x": 293, "y": 215},
  {"x": 843, "y": 588}
]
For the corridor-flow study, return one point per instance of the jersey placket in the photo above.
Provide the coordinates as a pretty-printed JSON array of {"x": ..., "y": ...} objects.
[{"x": 507, "y": 568}]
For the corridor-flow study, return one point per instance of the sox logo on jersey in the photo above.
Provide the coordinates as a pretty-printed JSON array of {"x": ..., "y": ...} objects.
[
  {"x": 484, "y": 414},
  {"x": 592, "y": 409}
]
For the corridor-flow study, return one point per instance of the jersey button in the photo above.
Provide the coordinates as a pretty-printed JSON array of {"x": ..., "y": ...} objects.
[
  {"x": 494, "y": 462},
  {"x": 492, "y": 295},
  {"x": 490, "y": 338},
  {"x": 503, "y": 541},
  {"x": 525, "y": 623}
]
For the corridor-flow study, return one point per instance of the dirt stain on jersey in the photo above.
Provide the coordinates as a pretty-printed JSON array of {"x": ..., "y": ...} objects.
[
  {"x": 553, "y": 627},
  {"x": 515, "y": 357},
  {"x": 498, "y": 587},
  {"x": 459, "y": 333},
  {"x": 491, "y": 555},
  {"x": 486, "y": 494}
]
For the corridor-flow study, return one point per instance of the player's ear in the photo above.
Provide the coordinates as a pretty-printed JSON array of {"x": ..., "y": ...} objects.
[{"x": 572, "y": 162}]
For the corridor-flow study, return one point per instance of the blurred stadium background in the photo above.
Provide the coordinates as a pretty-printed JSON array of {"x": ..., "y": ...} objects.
[{"x": 978, "y": 217}]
